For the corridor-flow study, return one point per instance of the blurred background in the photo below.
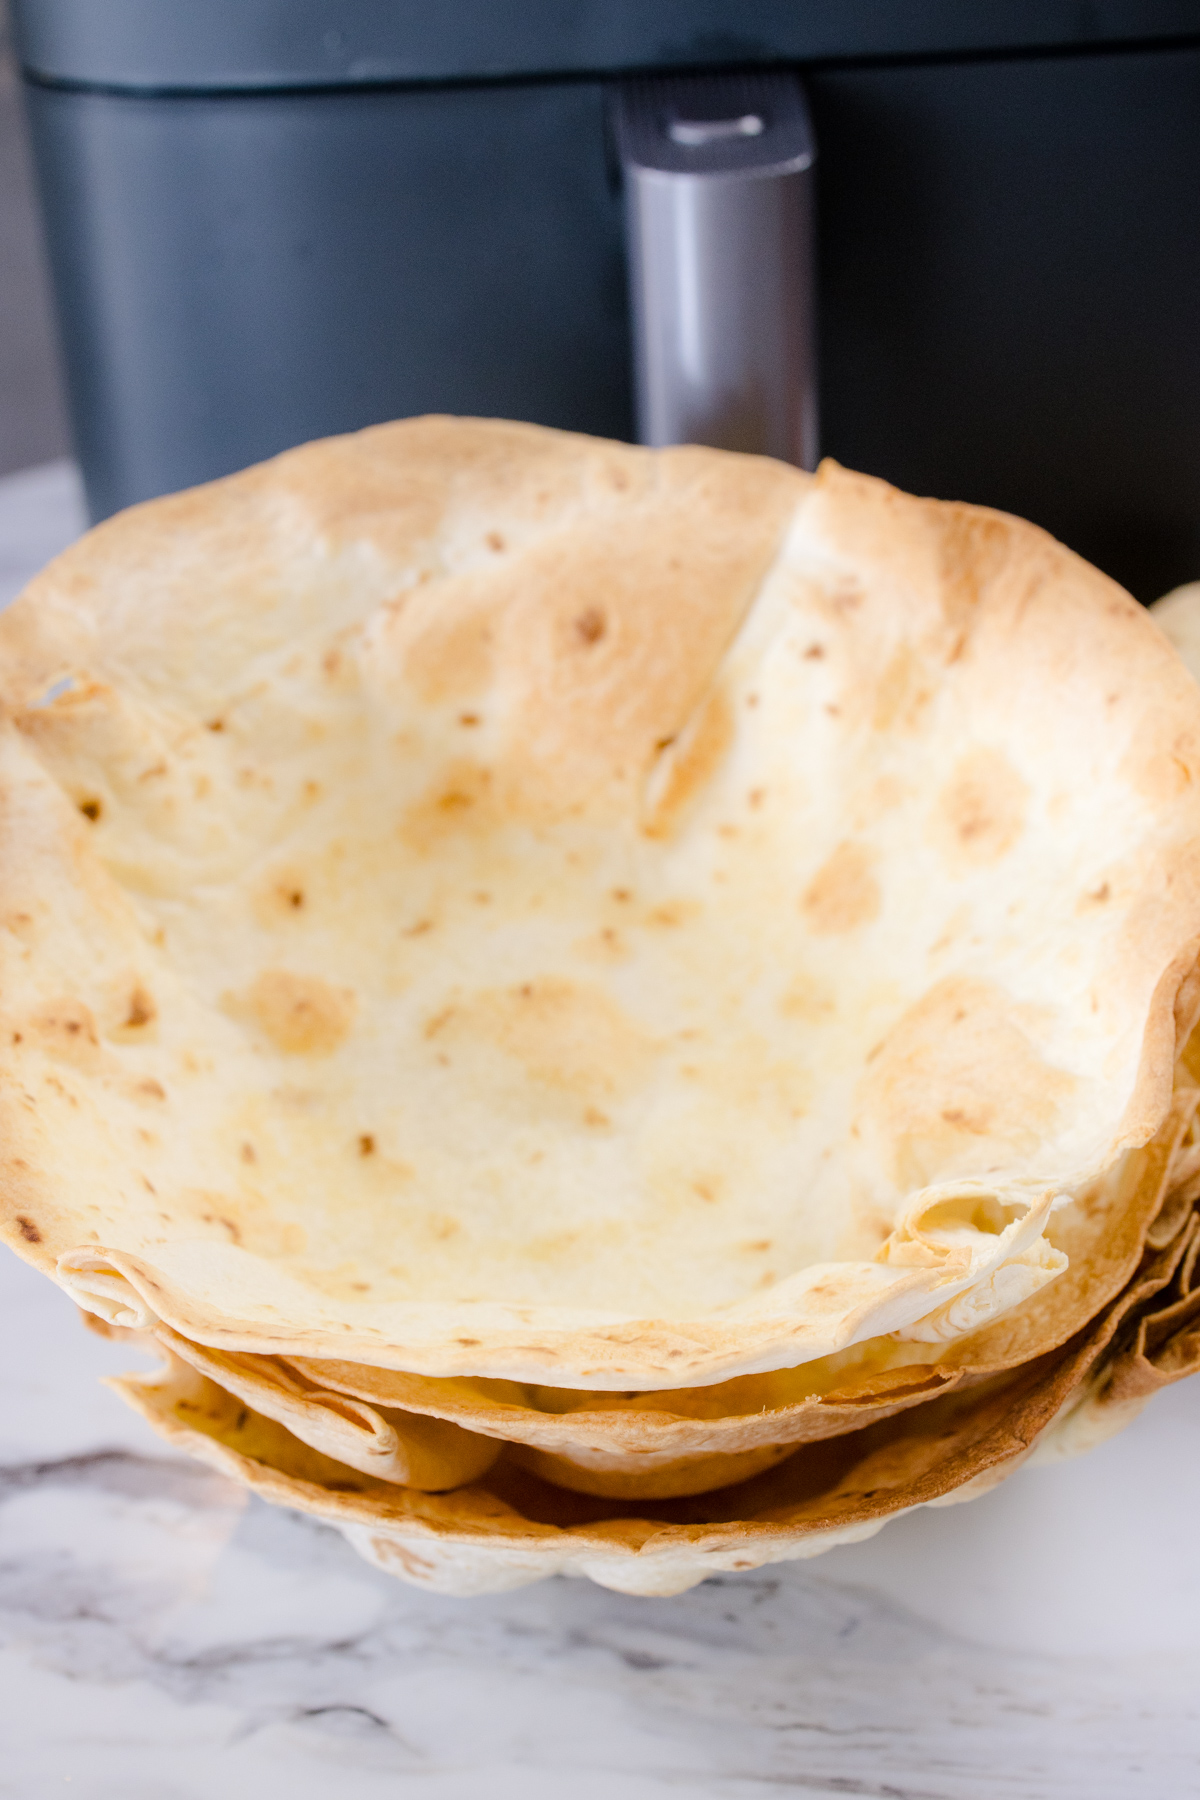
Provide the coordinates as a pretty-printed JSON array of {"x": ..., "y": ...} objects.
[
  {"x": 272, "y": 220},
  {"x": 33, "y": 416}
]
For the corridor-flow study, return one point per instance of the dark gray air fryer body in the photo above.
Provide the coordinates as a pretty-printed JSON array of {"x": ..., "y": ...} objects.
[
  {"x": 238, "y": 273},
  {"x": 274, "y": 219}
]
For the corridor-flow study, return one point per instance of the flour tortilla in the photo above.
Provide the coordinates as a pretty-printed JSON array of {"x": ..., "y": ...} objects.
[
  {"x": 430, "y": 1455},
  {"x": 497, "y": 904},
  {"x": 1143, "y": 1201},
  {"x": 678, "y": 1443},
  {"x": 691, "y": 1441},
  {"x": 1163, "y": 1345},
  {"x": 1158, "y": 1345},
  {"x": 511, "y": 1528}
]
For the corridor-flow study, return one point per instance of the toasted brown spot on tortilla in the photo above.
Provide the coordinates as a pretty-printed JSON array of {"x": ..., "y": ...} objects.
[
  {"x": 591, "y": 625},
  {"x": 1094, "y": 897},
  {"x": 960, "y": 1084},
  {"x": 980, "y": 813},
  {"x": 302, "y": 1015},
  {"x": 142, "y": 1010},
  {"x": 844, "y": 894},
  {"x": 904, "y": 691},
  {"x": 689, "y": 763},
  {"x": 66, "y": 1028},
  {"x": 460, "y": 802},
  {"x": 563, "y": 1035}
]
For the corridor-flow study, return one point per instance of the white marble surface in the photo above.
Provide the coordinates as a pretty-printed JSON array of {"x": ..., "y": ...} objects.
[{"x": 162, "y": 1637}]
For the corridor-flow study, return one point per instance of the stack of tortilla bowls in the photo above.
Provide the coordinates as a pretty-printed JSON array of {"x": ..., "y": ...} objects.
[{"x": 609, "y": 1012}]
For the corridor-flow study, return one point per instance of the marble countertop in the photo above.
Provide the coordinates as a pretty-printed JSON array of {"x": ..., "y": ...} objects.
[{"x": 165, "y": 1637}]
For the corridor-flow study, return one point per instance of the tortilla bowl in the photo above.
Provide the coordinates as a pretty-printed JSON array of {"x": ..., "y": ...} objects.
[
  {"x": 511, "y": 1528},
  {"x": 488, "y": 904},
  {"x": 354, "y": 1414},
  {"x": 438, "y": 1434}
]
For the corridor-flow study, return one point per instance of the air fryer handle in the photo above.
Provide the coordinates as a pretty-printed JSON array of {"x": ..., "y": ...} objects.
[{"x": 719, "y": 184}]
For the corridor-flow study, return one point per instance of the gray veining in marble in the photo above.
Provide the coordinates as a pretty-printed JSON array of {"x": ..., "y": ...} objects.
[{"x": 163, "y": 1637}]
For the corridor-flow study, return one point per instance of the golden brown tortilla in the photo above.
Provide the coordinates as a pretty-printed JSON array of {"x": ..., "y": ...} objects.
[
  {"x": 489, "y": 903},
  {"x": 511, "y": 1527}
]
